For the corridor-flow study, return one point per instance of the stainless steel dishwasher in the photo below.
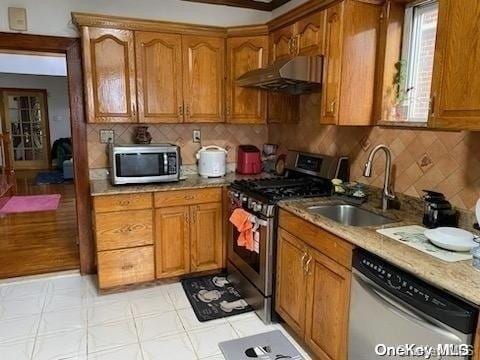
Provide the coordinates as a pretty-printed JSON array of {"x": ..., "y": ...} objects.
[{"x": 394, "y": 315}]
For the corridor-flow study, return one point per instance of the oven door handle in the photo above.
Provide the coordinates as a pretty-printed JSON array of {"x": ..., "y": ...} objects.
[{"x": 401, "y": 310}]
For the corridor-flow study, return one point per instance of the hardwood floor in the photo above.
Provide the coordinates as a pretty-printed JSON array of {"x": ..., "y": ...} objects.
[{"x": 40, "y": 242}]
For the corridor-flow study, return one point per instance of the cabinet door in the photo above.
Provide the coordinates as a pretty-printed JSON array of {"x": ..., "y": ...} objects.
[
  {"x": 206, "y": 236},
  {"x": 456, "y": 84},
  {"x": 282, "y": 108},
  {"x": 109, "y": 70},
  {"x": 245, "y": 105},
  {"x": 159, "y": 77},
  {"x": 332, "y": 64},
  {"x": 281, "y": 43},
  {"x": 328, "y": 294},
  {"x": 310, "y": 38},
  {"x": 291, "y": 281},
  {"x": 172, "y": 245},
  {"x": 203, "y": 78}
]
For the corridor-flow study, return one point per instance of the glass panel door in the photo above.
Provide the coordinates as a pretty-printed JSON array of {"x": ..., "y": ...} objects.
[{"x": 28, "y": 126}]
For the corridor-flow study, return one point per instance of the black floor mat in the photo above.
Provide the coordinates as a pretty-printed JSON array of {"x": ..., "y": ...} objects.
[{"x": 213, "y": 297}]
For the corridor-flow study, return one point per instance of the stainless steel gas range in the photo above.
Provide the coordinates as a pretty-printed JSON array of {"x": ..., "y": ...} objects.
[{"x": 252, "y": 271}]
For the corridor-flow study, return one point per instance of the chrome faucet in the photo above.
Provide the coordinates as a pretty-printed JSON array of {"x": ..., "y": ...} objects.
[{"x": 387, "y": 194}]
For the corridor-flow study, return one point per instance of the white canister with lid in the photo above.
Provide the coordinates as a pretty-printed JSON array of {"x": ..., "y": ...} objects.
[{"x": 212, "y": 161}]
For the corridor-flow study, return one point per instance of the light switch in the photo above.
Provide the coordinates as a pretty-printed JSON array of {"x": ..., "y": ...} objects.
[{"x": 17, "y": 18}]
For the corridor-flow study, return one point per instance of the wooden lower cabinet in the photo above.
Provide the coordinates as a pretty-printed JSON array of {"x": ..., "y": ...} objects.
[
  {"x": 206, "y": 237},
  {"x": 189, "y": 238},
  {"x": 125, "y": 266},
  {"x": 313, "y": 289},
  {"x": 328, "y": 294},
  {"x": 291, "y": 280},
  {"x": 123, "y": 229},
  {"x": 172, "y": 245}
]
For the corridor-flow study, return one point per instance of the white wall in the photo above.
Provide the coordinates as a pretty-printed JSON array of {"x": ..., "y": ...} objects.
[
  {"x": 57, "y": 100},
  {"x": 52, "y": 17},
  {"x": 33, "y": 64}
]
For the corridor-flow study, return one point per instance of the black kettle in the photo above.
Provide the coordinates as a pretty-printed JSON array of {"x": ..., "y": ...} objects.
[{"x": 438, "y": 211}]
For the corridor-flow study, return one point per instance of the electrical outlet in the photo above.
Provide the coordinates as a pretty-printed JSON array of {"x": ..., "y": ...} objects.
[
  {"x": 106, "y": 136},
  {"x": 197, "y": 136}
]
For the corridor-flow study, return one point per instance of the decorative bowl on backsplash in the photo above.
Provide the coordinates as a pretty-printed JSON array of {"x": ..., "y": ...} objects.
[{"x": 142, "y": 136}]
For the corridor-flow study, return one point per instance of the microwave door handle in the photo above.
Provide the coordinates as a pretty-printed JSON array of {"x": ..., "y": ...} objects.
[
  {"x": 410, "y": 314},
  {"x": 165, "y": 163}
]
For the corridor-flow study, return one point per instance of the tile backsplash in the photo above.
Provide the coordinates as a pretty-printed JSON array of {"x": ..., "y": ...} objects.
[
  {"x": 225, "y": 135},
  {"x": 448, "y": 162}
]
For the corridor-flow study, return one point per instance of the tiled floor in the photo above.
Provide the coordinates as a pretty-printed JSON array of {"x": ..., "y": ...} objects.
[{"x": 63, "y": 317}]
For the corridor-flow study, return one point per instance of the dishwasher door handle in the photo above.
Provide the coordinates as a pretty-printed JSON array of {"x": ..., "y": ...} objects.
[{"x": 411, "y": 314}]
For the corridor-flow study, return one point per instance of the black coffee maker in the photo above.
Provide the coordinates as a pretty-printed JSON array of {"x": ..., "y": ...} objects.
[{"x": 438, "y": 211}]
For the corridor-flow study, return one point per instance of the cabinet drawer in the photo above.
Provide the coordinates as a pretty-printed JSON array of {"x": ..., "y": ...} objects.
[
  {"x": 187, "y": 197},
  {"x": 124, "y": 229},
  {"x": 122, "y": 202},
  {"x": 128, "y": 266},
  {"x": 319, "y": 239}
]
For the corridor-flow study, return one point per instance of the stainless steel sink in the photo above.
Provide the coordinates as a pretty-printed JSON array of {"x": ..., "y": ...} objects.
[{"x": 350, "y": 215}]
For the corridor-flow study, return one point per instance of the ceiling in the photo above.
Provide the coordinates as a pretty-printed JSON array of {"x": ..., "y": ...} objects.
[{"x": 264, "y": 5}]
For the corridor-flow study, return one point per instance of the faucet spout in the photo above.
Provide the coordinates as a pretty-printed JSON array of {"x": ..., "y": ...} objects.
[{"x": 388, "y": 193}]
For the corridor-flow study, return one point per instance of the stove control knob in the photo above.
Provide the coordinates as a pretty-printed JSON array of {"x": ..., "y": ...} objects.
[{"x": 257, "y": 207}]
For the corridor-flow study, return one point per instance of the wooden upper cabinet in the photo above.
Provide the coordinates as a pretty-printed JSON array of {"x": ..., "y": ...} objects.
[
  {"x": 281, "y": 43},
  {"x": 310, "y": 39},
  {"x": 206, "y": 237},
  {"x": 245, "y": 105},
  {"x": 291, "y": 281},
  {"x": 352, "y": 34},
  {"x": 159, "y": 77},
  {"x": 109, "y": 70},
  {"x": 456, "y": 80},
  {"x": 328, "y": 294},
  {"x": 203, "y": 78},
  {"x": 172, "y": 241},
  {"x": 333, "y": 63}
]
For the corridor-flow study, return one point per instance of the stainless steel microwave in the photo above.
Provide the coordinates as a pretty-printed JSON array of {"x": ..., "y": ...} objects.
[{"x": 143, "y": 164}]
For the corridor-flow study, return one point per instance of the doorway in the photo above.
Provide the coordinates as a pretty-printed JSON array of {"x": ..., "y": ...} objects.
[
  {"x": 25, "y": 114},
  {"x": 40, "y": 163}
]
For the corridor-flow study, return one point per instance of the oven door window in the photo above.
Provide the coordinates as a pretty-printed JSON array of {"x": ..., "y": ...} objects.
[
  {"x": 140, "y": 164},
  {"x": 251, "y": 258}
]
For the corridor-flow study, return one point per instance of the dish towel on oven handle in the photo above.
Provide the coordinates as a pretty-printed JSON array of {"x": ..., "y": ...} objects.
[{"x": 247, "y": 226}]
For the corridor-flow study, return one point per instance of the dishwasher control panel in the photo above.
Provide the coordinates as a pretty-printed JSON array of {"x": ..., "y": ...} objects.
[{"x": 414, "y": 291}]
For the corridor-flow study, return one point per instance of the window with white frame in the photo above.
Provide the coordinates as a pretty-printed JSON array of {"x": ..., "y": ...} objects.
[{"x": 420, "y": 31}]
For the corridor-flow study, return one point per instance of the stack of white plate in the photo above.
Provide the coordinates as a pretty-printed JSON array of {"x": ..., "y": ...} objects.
[{"x": 450, "y": 238}]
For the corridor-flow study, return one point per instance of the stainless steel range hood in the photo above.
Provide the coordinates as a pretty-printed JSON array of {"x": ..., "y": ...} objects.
[{"x": 299, "y": 75}]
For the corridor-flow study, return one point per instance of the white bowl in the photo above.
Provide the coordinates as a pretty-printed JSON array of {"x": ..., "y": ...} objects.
[{"x": 450, "y": 238}]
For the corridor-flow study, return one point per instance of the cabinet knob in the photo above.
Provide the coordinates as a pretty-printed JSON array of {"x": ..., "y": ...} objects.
[
  {"x": 307, "y": 265},
  {"x": 189, "y": 197},
  {"x": 333, "y": 106},
  {"x": 302, "y": 261},
  {"x": 124, "y": 202},
  {"x": 127, "y": 267}
]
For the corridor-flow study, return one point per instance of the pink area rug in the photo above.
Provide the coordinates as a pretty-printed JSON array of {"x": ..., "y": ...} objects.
[{"x": 21, "y": 204}]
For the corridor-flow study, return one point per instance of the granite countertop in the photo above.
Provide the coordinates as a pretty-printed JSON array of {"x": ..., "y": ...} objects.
[
  {"x": 459, "y": 278},
  {"x": 190, "y": 181}
]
